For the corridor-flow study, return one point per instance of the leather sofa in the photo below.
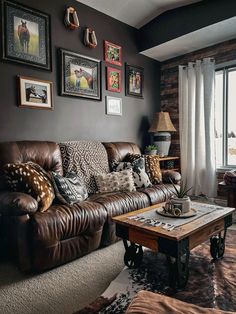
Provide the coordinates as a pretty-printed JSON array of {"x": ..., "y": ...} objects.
[{"x": 40, "y": 241}]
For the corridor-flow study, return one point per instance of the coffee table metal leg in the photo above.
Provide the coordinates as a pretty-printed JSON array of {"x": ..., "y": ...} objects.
[
  {"x": 218, "y": 246},
  {"x": 133, "y": 254},
  {"x": 178, "y": 270}
]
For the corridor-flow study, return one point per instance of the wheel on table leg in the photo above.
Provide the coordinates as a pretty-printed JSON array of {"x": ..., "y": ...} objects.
[
  {"x": 217, "y": 247},
  {"x": 133, "y": 255}
]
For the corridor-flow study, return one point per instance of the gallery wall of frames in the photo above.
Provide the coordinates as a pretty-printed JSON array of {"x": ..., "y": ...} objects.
[{"x": 87, "y": 76}]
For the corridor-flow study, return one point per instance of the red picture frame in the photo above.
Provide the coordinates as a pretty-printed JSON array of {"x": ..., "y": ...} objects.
[
  {"x": 114, "y": 80},
  {"x": 113, "y": 53}
]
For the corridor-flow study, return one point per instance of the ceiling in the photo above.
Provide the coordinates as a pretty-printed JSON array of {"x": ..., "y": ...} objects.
[
  {"x": 204, "y": 37},
  {"x": 135, "y": 13}
]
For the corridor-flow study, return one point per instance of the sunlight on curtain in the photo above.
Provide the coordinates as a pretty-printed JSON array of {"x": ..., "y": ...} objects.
[{"x": 196, "y": 115}]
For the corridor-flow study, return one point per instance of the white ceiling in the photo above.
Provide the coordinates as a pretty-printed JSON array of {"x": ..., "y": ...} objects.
[
  {"x": 204, "y": 37},
  {"x": 135, "y": 12}
]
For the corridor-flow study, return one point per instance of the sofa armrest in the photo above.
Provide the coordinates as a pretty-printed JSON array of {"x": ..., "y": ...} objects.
[
  {"x": 17, "y": 204},
  {"x": 170, "y": 175}
]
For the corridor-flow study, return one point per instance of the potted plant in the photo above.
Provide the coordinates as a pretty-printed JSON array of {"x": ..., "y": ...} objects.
[
  {"x": 181, "y": 199},
  {"x": 151, "y": 150}
]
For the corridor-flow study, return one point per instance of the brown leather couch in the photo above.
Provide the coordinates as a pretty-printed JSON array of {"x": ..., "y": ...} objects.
[{"x": 41, "y": 241}]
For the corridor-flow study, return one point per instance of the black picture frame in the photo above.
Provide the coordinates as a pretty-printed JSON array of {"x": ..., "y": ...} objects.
[
  {"x": 80, "y": 75},
  {"x": 25, "y": 35},
  {"x": 134, "y": 81}
]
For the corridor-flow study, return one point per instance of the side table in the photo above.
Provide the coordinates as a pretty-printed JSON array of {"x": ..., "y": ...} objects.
[{"x": 230, "y": 190}]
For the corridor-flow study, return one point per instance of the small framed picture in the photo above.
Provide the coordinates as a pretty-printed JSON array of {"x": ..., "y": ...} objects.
[
  {"x": 114, "y": 79},
  {"x": 113, "y": 106},
  {"x": 81, "y": 75},
  {"x": 113, "y": 53},
  {"x": 134, "y": 81},
  {"x": 34, "y": 93},
  {"x": 25, "y": 35}
]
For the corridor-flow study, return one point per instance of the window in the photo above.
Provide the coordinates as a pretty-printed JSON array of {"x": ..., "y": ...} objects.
[{"x": 225, "y": 117}]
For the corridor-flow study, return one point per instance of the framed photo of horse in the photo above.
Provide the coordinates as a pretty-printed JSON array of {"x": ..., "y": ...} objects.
[
  {"x": 25, "y": 35},
  {"x": 80, "y": 75},
  {"x": 34, "y": 93},
  {"x": 134, "y": 81}
]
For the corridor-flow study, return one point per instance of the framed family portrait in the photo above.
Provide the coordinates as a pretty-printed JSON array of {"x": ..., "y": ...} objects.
[
  {"x": 134, "y": 81},
  {"x": 113, "y": 106},
  {"x": 114, "y": 80},
  {"x": 80, "y": 75},
  {"x": 34, "y": 93},
  {"x": 113, "y": 53},
  {"x": 25, "y": 35}
]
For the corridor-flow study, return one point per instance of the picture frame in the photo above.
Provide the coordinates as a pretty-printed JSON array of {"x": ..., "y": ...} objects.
[
  {"x": 34, "y": 93},
  {"x": 134, "y": 81},
  {"x": 25, "y": 35},
  {"x": 114, "y": 80},
  {"x": 80, "y": 75},
  {"x": 113, "y": 106},
  {"x": 112, "y": 53}
]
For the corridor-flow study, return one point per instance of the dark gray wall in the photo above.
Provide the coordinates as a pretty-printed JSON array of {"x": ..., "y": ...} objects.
[{"x": 77, "y": 118}]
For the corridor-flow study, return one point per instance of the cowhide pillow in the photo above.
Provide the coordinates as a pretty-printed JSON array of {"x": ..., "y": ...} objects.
[
  {"x": 141, "y": 178},
  {"x": 68, "y": 189},
  {"x": 115, "y": 181},
  {"x": 31, "y": 179},
  {"x": 152, "y": 166}
]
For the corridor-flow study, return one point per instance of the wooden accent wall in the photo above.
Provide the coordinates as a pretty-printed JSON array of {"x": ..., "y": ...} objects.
[{"x": 222, "y": 52}]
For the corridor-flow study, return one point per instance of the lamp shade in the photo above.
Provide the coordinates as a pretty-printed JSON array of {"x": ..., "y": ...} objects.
[{"x": 162, "y": 123}]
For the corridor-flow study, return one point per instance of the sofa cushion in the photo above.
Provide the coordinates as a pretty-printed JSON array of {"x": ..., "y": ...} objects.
[
  {"x": 118, "y": 203},
  {"x": 68, "y": 189},
  {"x": 86, "y": 159},
  {"x": 117, "y": 151},
  {"x": 115, "y": 181},
  {"x": 141, "y": 178},
  {"x": 65, "y": 232},
  {"x": 159, "y": 193},
  {"x": 31, "y": 179}
]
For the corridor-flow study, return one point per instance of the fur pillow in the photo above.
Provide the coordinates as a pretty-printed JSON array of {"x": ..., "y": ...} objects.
[
  {"x": 68, "y": 189},
  {"x": 115, "y": 181},
  {"x": 31, "y": 179},
  {"x": 141, "y": 178}
]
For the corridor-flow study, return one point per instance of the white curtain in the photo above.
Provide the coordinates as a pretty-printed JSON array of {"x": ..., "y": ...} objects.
[{"x": 196, "y": 120}]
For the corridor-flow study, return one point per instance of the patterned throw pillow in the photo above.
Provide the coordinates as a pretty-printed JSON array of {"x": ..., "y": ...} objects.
[
  {"x": 31, "y": 179},
  {"x": 152, "y": 166},
  {"x": 68, "y": 189},
  {"x": 141, "y": 178},
  {"x": 115, "y": 181}
]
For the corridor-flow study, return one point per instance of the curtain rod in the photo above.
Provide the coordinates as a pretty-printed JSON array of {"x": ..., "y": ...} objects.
[{"x": 194, "y": 62}]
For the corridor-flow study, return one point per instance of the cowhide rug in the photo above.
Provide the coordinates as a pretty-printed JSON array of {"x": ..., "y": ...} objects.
[{"x": 211, "y": 284}]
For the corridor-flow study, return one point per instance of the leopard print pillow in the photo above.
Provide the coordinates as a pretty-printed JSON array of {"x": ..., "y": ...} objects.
[
  {"x": 152, "y": 165},
  {"x": 31, "y": 179}
]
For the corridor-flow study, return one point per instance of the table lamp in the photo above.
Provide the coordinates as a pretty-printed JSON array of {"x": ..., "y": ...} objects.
[{"x": 161, "y": 128}]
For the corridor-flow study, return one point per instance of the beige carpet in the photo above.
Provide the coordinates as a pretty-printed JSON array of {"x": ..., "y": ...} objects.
[{"x": 63, "y": 290}]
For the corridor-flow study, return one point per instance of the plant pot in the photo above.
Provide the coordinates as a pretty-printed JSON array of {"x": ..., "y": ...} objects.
[
  {"x": 184, "y": 204},
  {"x": 151, "y": 152}
]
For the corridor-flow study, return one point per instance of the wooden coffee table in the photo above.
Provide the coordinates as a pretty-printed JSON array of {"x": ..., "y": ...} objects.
[{"x": 176, "y": 244}]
